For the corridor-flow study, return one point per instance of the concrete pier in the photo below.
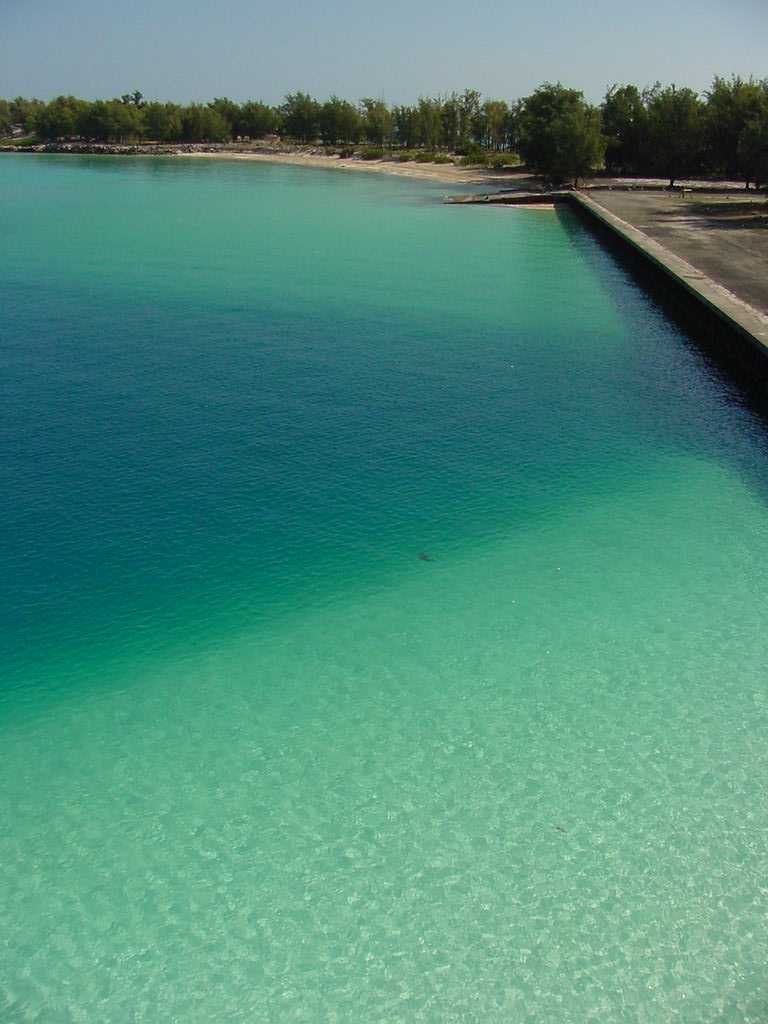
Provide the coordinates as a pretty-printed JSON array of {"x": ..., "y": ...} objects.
[
  {"x": 737, "y": 314},
  {"x": 722, "y": 280},
  {"x": 511, "y": 198}
]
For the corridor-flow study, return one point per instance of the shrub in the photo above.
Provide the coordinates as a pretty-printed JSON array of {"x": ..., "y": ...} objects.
[
  {"x": 497, "y": 160},
  {"x": 16, "y": 141},
  {"x": 346, "y": 152},
  {"x": 442, "y": 158},
  {"x": 405, "y": 156},
  {"x": 425, "y": 157},
  {"x": 372, "y": 153},
  {"x": 474, "y": 155}
]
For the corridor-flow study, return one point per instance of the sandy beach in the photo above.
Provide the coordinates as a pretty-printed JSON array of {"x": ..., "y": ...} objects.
[
  {"x": 443, "y": 172},
  {"x": 448, "y": 173}
]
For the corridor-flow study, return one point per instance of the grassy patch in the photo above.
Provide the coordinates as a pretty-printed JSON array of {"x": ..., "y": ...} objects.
[{"x": 28, "y": 140}]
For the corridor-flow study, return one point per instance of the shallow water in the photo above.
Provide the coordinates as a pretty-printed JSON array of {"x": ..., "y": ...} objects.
[{"x": 261, "y": 761}]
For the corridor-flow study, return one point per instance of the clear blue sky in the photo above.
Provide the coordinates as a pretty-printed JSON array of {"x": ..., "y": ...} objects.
[{"x": 398, "y": 49}]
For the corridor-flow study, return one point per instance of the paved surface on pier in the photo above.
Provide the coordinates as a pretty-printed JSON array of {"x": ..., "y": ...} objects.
[
  {"x": 750, "y": 320},
  {"x": 725, "y": 237}
]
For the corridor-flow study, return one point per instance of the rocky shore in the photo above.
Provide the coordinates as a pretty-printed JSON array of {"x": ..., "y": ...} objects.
[{"x": 150, "y": 148}]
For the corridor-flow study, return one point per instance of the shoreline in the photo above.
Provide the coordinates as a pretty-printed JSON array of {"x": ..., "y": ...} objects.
[
  {"x": 511, "y": 179},
  {"x": 444, "y": 173},
  {"x": 713, "y": 287}
]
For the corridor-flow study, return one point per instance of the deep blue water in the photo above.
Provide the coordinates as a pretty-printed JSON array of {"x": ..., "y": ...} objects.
[{"x": 264, "y": 762}]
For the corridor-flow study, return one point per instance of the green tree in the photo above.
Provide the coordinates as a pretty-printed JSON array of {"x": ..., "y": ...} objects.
[
  {"x": 405, "y": 125},
  {"x": 256, "y": 119},
  {"x": 429, "y": 124},
  {"x": 675, "y": 131},
  {"x": 5, "y": 117},
  {"x": 127, "y": 121},
  {"x": 470, "y": 118},
  {"x": 95, "y": 121},
  {"x": 110, "y": 121},
  {"x": 753, "y": 150},
  {"x": 135, "y": 98},
  {"x": 339, "y": 121},
  {"x": 377, "y": 121},
  {"x": 493, "y": 124},
  {"x": 450, "y": 122},
  {"x": 24, "y": 111},
  {"x": 301, "y": 116},
  {"x": 730, "y": 104},
  {"x": 625, "y": 125},
  {"x": 513, "y": 125},
  {"x": 560, "y": 135},
  {"x": 202, "y": 124},
  {"x": 58, "y": 119},
  {"x": 162, "y": 122},
  {"x": 228, "y": 110}
]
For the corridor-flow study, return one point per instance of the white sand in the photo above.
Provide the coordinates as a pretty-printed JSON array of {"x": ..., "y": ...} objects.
[{"x": 433, "y": 172}]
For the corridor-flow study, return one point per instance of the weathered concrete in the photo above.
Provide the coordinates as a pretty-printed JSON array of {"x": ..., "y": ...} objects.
[
  {"x": 723, "y": 236},
  {"x": 713, "y": 269},
  {"x": 709, "y": 244},
  {"x": 508, "y": 198}
]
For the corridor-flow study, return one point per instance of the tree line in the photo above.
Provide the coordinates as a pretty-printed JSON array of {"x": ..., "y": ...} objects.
[{"x": 661, "y": 130}]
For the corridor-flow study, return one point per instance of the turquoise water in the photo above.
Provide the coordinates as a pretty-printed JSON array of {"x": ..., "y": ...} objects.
[{"x": 261, "y": 761}]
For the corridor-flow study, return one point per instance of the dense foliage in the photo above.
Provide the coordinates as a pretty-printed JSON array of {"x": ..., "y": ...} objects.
[
  {"x": 559, "y": 133},
  {"x": 660, "y": 130},
  {"x": 674, "y": 132}
]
